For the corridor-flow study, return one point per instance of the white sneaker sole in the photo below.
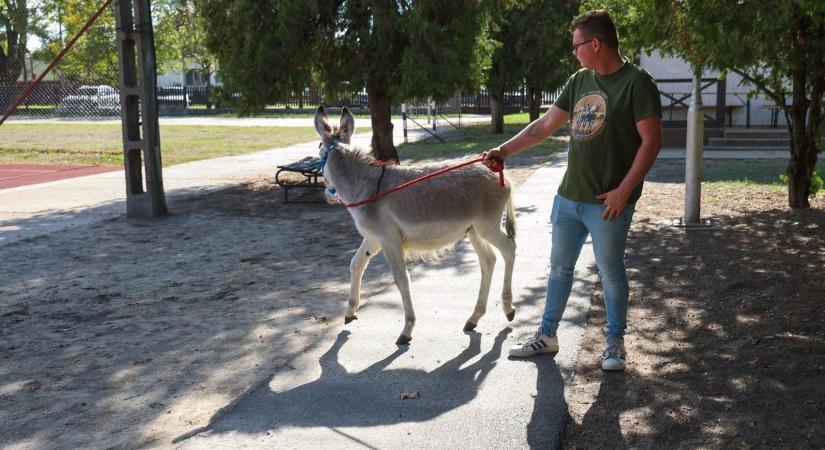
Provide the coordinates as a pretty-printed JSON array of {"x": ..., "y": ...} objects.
[
  {"x": 519, "y": 352},
  {"x": 613, "y": 365}
]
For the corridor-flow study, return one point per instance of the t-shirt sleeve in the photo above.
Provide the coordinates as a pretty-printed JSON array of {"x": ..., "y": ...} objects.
[
  {"x": 646, "y": 99},
  {"x": 563, "y": 100}
]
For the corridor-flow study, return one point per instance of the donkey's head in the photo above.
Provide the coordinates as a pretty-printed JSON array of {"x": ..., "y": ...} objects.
[
  {"x": 328, "y": 134},
  {"x": 330, "y": 137}
]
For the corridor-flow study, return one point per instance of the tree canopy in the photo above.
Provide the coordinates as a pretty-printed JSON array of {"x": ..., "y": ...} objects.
[
  {"x": 93, "y": 59},
  {"x": 393, "y": 49},
  {"x": 776, "y": 45},
  {"x": 180, "y": 38},
  {"x": 531, "y": 39}
]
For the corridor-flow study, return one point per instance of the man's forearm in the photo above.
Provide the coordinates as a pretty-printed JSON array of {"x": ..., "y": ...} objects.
[
  {"x": 644, "y": 160},
  {"x": 538, "y": 130},
  {"x": 650, "y": 130},
  {"x": 526, "y": 138}
]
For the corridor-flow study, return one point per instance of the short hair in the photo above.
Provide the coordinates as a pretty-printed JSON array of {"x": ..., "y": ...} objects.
[{"x": 597, "y": 24}]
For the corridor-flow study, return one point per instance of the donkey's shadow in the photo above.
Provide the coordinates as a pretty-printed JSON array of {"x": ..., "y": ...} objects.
[{"x": 371, "y": 397}]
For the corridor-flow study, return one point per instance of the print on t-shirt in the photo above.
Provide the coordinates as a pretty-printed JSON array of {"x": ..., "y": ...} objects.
[{"x": 589, "y": 116}]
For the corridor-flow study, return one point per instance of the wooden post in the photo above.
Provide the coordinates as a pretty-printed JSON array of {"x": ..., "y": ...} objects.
[{"x": 139, "y": 109}]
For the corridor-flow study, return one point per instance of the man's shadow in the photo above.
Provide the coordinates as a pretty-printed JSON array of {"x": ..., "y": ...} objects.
[
  {"x": 550, "y": 413},
  {"x": 601, "y": 422},
  {"x": 371, "y": 397}
]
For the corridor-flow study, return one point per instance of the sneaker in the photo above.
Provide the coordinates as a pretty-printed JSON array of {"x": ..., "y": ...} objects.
[
  {"x": 538, "y": 343},
  {"x": 613, "y": 357}
]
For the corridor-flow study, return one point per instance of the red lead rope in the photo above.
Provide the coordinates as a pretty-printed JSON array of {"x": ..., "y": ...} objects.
[{"x": 498, "y": 166}]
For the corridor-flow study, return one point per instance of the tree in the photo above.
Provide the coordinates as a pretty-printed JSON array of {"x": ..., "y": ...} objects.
[
  {"x": 14, "y": 21},
  {"x": 505, "y": 72},
  {"x": 533, "y": 49},
  {"x": 180, "y": 38},
  {"x": 394, "y": 49},
  {"x": 547, "y": 61},
  {"x": 93, "y": 58},
  {"x": 778, "y": 46}
]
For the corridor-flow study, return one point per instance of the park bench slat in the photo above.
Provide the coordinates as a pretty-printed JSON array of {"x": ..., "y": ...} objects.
[{"x": 311, "y": 167}]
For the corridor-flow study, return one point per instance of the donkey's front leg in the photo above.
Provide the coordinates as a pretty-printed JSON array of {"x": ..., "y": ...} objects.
[
  {"x": 359, "y": 262},
  {"x": 395, "y": 257}
]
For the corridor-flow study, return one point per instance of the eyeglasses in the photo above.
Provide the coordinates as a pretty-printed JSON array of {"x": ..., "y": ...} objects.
[{"x": 576, "y": 46}]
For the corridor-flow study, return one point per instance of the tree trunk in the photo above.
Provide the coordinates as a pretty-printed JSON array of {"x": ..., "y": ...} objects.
[
  {"x": 534, "y": 100},
  {"x": 11, "y": 63},
  {"x": 497, "y": 111},
  {"x": 803, "y": 143},
  {"x": 381, "y": 117}
]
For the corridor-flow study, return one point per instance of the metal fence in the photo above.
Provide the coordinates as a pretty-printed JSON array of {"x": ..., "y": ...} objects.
[
  {"x": 73, "y": 110},
  {"x": 479, "y": 103}
]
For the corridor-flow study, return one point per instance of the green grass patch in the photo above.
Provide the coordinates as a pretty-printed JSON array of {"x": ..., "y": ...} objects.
[
  {"x": 101, "y": 144},
  {"x": 732, "y": 174},
  {"x": 473, "y": 140}
]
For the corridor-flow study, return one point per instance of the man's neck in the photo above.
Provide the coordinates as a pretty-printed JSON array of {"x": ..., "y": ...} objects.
[{"x": 610, "y": 65}]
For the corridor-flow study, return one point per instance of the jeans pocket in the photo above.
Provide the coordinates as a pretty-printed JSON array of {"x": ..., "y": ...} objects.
[{"x": 554, "y": 211}]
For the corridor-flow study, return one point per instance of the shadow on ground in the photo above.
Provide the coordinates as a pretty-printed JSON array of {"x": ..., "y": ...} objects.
[
  {"x": 122, "y": 332},
  {"x": 366, "y": 398},
  {"x": 111, "y": 333},
  {"x": 726, "y": 332}
]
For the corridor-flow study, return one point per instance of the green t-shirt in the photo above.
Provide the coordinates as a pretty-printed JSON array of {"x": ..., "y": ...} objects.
[{"x": 603, "y": 135}]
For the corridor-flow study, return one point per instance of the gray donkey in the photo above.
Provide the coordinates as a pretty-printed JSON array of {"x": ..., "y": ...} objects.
[{"x": 419, "y": 221}]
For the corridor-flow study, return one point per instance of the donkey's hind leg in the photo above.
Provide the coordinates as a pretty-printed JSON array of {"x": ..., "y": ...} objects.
[
  {"x": 359, "y": 262},
  {"x": 507, "y": 247},
  {"x": 487, "y": 261}
]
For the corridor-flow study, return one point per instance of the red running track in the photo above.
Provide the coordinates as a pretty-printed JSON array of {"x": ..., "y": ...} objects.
[{"x": 14, "y": 175}]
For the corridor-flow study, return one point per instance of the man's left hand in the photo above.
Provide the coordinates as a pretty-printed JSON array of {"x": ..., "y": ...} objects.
[{"x": 614, "y": 201}]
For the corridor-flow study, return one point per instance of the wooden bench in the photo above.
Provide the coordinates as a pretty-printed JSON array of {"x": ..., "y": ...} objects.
[{"x": 311, "y": 168}]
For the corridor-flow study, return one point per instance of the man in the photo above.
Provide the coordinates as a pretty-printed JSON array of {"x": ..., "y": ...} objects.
[{"x": 614, "y": 111}]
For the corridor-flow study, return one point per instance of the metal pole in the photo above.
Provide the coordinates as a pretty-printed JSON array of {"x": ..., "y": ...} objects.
[
  {"x": 693, "y": 156},
  {"x": 434, "y": 111},
  {"x": 404, "y": 119},
  {"x": 429, "y": 108},
  {"x": 459, "y": 108}
]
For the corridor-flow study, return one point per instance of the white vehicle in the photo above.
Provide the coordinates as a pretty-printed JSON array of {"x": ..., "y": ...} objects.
[{"x": 99, "y": 100}]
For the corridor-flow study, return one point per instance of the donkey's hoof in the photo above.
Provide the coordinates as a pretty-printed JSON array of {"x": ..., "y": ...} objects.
[
  {"x": 511, "y": 315},
  {"x": 349, "y": 319},
  {"x": 469, "y": 326},
  {"x": 403, "y": 340}
]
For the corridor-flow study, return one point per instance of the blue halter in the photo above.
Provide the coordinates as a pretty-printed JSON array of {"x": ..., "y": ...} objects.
[{"x": 327, "y": 151}]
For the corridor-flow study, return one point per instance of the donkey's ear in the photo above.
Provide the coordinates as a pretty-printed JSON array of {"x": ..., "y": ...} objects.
[
  {"x": 322, "y": 125},
  {"x": 347, "y": 125}
]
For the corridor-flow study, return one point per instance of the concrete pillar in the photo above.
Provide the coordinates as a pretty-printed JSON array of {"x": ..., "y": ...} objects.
[{"x": 139, "y": 109}]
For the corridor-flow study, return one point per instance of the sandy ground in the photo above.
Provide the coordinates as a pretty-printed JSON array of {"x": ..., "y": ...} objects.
[
  {"x": 130, "y": 333},
  {"x": 725, "y": 328}
]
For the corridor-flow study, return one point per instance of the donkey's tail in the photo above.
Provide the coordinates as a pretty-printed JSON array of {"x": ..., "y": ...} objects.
[{"x": 510, "y": 219}]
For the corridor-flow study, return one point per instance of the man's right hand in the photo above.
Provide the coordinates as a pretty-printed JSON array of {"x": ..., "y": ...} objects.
[{"x": 494, "y": 159}]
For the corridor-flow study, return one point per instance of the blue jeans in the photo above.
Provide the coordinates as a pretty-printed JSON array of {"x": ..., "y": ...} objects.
[{"x": 572, "y": 221}]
